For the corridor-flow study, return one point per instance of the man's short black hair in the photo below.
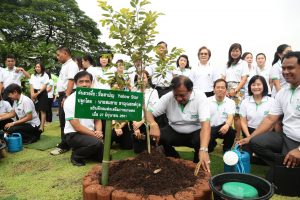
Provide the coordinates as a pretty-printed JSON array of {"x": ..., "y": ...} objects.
[
  {"x": 11, "y": 56},
  {"x": 82, "y": 74},
  {"x": 181, "y": 80},
  {"x": 12, "y": 88},
  {"x": 291, "y": 54},
  {"x": 65, "y": 49},
  {"x": 221, "y": 80}
]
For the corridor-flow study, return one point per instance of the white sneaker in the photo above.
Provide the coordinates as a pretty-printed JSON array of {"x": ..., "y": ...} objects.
[{"x": 57, "y": 151}]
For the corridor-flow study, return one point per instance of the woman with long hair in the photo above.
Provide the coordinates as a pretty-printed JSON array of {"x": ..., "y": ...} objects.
[
  {"x": 278, "y": 80},
  {"x": 236, "y": 75},
  {"x": 38, "y": 83},
  {"x": 50, "y": 91},
  {"x": 151, "y": 98},
  {"x": 183, "y": 66}
]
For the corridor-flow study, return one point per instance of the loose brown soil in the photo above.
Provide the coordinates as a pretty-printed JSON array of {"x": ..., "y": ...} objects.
[{"x": 152, "y": 174}]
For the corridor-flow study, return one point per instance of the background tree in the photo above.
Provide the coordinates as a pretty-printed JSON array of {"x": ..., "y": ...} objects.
[{"x": 33, "y": 29}]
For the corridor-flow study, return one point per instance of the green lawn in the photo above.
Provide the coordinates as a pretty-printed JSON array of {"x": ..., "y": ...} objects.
[{"x": 35, "y": 174}]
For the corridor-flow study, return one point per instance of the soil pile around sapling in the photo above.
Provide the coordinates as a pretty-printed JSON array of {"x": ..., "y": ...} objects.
[{"x": 152, "y": 174}]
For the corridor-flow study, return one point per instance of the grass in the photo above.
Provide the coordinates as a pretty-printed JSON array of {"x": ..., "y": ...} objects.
[{"x": 35, "y": 174}]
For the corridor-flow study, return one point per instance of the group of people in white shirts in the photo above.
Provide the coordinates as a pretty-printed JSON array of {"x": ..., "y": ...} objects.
[
  {"x": 18, "y": 112},
  {"x": 248, "y": 96}
]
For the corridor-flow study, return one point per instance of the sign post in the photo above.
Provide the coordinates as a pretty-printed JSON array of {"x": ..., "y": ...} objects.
[{"x": 110, "y": 105}]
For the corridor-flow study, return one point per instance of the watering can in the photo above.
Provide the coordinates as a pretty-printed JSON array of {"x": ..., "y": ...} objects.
[
  {"x": 237, "y": 160},
  {"x": 14, "y": 142}
]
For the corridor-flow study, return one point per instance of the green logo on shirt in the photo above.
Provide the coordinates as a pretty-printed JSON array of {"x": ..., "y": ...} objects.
[
  {"x": 298, "y": 108},
  {"x": 266, "y": 112},
  {"x": 194, "y": 116}
]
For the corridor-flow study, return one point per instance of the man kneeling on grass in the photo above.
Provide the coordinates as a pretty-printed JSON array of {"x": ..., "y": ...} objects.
[{"x": 84, "y": 136}]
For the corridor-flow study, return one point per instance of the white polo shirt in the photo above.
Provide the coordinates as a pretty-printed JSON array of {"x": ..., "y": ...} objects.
[
  {"x": 235, "y": 72},
  {"x": 266, "y": 73},
  {"x": 288, "y": 103},
  {"x": 11, "y": 76},
  {"x": 69, "y": 108},
  {"x": 276, "y": 74},
  {"x": 184, "y": 119},
  {"x": 157, "y": 78},
  {"x": 103, "y": 75},
  {"x": 131, "y": 71},
  {"x": 203, "y": 77},
  {"x": 1, "y": 74},
  {"x": 219, "y": 111},
  {"x": 68, "y": 70},
  {"x": 50, "y": 84},
  {"x": 93, "y": 70},
  {"x": 38, "y": 80},
  {"x": 25, "y": 106},
  {"x": 255, "y": 113},
  {"x": 185, "y": 72},
  {"x": 5, "y": 107},
  {"x": 252, "y": 72}
]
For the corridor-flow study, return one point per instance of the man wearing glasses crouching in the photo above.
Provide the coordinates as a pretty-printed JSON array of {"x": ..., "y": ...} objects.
[{"x": 188, "y": 114}]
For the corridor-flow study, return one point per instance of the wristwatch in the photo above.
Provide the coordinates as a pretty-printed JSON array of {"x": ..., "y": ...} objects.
[{"x": 205, "y": 149}]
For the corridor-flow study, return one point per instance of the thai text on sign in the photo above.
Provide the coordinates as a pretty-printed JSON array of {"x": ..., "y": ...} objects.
[{"x": 94, "y": 103}]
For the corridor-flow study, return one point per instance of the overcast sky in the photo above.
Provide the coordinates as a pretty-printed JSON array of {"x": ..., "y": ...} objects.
[{"x": 258, "y": 25}]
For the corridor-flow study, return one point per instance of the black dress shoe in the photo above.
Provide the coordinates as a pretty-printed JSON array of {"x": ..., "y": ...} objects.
[{"x": 77, "y": 162}]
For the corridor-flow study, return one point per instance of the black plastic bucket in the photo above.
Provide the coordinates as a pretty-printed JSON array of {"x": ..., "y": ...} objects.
[{"x": 264, "y": 188}]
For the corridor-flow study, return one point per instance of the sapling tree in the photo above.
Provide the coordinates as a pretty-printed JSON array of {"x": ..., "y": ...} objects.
[{"x": 134, "y": 29}]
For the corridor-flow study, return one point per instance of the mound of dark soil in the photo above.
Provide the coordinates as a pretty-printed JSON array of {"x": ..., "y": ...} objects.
[{"x": 152, "y": 174}]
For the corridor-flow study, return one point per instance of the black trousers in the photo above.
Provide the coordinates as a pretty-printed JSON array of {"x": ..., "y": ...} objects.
[
  {"x": 29, "y": 133},
  {"x": 228, "y": 138},
  {"x": 85, "y": 146},
  {"x": 4, "y": 122},
  {"x": 140, "y": 145},
  {"x": 62, "y": 121},
  {"x": 271, "y": 145},
  {"x": 49, "y": 113},
  {"x": 124, "y": 140},
  {"x": 169, "y": 138}
]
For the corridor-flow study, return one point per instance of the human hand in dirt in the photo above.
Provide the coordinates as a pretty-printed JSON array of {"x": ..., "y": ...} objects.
[
  {"x": 136, "y": 125},
  {"x": 119, "y": 131},
  {"x": 154, "y": 131},
  {"x": 205, "y": 161},
  {"x": 292, "y": 159}
]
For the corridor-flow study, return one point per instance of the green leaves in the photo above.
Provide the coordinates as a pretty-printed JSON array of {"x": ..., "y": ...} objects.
[
  {"x": 133, "y": 27},
  {"x": 38, "y": 27}
]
